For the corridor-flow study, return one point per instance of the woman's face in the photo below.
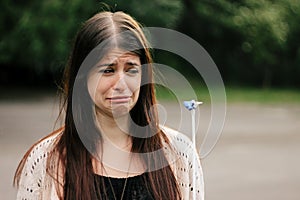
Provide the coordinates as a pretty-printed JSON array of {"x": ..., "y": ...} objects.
[{"x": 114, "y": 83}]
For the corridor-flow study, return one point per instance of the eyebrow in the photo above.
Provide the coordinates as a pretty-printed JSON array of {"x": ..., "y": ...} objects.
[
  {"x": 132, "y": 63},
  {"x": 105, "y": 64}
]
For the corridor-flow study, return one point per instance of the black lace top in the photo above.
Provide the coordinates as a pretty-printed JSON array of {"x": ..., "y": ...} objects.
[{"x": 137, "y": 187}]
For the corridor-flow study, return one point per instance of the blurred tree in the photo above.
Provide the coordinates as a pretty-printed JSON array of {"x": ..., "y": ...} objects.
[
  {"x": 246, "y": 38},
  {"x": 253, "y": 42},
  {"x": 264, "y": 30},
  {"x": 35, "y": 36},
  {"x": 159, "y": 13},
  {"x": 291, "y": 59}
]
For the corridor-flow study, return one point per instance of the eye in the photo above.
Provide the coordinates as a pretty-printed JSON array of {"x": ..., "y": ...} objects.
[
  {"x": 107, "y": 70},
  {"x": 133, "y": 71}
]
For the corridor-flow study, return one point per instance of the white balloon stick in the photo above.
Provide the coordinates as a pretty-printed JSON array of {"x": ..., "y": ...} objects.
[{"x": 191, "y": 106}]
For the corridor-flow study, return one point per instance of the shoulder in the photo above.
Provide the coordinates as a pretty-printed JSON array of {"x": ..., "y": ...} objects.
[
  {"x": 33, "y": 171},
  {"x": 43, "y": 147},
  {"x": 38, "y": 153},
  {"x": 178, "y": 146},
  {"x": 176, "y": 138}
]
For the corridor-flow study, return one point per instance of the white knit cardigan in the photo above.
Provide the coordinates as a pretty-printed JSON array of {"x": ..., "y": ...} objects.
[{"x": 36, "y": 184}]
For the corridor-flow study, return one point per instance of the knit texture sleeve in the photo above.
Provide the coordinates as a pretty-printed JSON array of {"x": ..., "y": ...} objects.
[
  {"x": 186, "y": 165},
  {"x": 196, "y": 182},
  {"x": 32, "y": 184}
]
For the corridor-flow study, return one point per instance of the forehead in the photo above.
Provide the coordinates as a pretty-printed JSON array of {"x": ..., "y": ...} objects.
[{"x": 116, "y": 54}]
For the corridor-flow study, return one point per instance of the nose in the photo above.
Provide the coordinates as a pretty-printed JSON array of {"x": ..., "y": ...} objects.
[{"x": 120, "y": 83}]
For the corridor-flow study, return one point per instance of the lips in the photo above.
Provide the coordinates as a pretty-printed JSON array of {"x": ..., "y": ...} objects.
[{"x": 119, "y": 99}]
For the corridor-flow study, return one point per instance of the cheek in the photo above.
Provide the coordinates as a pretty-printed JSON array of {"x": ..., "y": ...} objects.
[
  {"x": 92, "y": 85},
  {"x": 134, "y": 84},
  {"x": 97, "y": 86},
  {"x": 103, "y": 85}
]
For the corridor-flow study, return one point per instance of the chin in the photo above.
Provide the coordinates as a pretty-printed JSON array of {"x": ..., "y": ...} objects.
[{"x": 120, "y": 111}]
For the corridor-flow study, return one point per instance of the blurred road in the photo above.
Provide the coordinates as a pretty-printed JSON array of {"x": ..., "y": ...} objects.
[{"x": 257, "y": 156}]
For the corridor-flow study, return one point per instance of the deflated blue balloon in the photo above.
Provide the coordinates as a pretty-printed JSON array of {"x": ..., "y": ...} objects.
[{"x": 190, "y": 105}]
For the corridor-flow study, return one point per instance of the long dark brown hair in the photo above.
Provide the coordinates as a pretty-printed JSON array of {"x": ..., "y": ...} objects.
[{"x": 74, "y": 160}]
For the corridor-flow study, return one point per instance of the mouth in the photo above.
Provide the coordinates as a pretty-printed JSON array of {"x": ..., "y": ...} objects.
[{"x": 119, "y": 99}]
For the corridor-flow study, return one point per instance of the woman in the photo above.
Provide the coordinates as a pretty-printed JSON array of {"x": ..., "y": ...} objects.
[{"x": 111, "y": 145}]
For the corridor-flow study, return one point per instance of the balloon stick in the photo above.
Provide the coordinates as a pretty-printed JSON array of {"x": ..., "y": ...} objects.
[{"x": 191, "y": 106}]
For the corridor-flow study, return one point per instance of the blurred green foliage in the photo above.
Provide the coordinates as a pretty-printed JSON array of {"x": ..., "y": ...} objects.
[{"x": 253, "y": 42}]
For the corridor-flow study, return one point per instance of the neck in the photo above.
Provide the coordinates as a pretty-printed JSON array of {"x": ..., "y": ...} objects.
[{"x": 115, "y": 130}]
